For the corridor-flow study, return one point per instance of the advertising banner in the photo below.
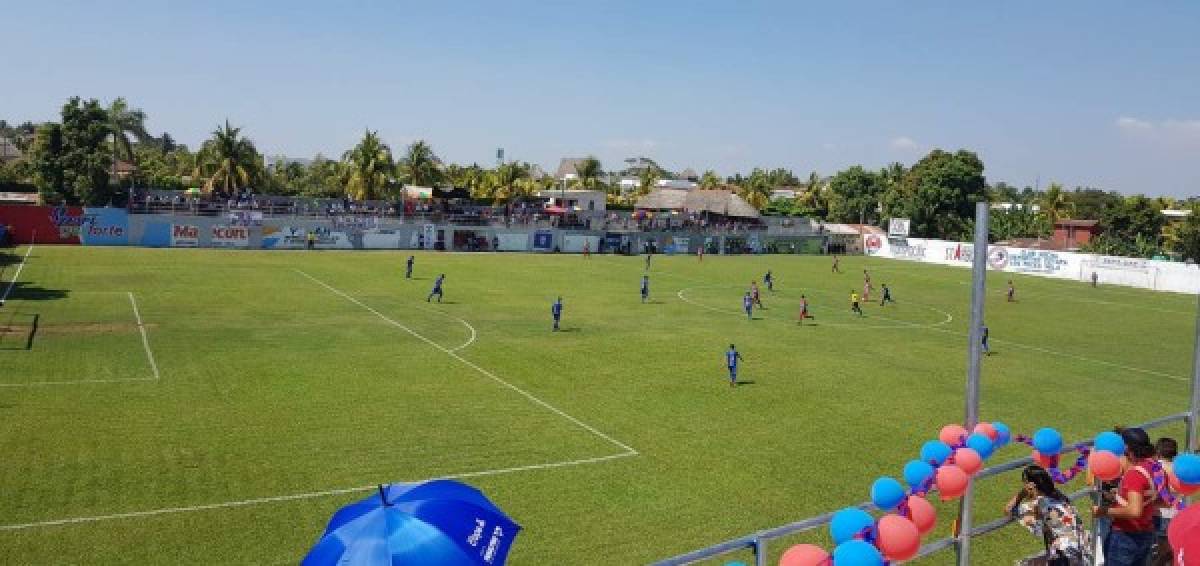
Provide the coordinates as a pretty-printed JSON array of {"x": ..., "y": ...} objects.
[
  {"x": 46, "y": 224},
  {"x": 284, "y": 237},
  {"x": 573, "y": 243},
  {"x": 230, "y": 236},
  {"x": 518, "y": 242},
  {"x": 543, "y": 241},
  {"x": 329, "y": 240},
  {"x": 105, "y": 227},
  {"x": 185, "y": 236},
  {"x": 378, "y": 239},
  {"x": 430, "y": 236}
]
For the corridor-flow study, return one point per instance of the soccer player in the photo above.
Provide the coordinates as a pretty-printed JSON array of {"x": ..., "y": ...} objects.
[
  {"x": 854, "y": 303},
  {"x": 748, "y": 305},
  {"x": 836, "y": 269},
  {"x": 645, "y": 286},
  {"x": 769, "y": 281},
  {"x": 755, "y": 294},
  {"x": 408, "y": 265},
  {"x": 887, "y": 296},
  {"x": 866, "y": 296},
  {"x": 556, "y": 312},
  {"x": 731, "y": 361},
  {"x": 587, "y": 249},
  {"x": 804, "y": 309},
  {"x": 1011, "y": 291},
  {"x": 700, "y": 253},
  {"x": 647, "y": 261},
  {"x": 986, "y": 350},
  {"x": 437, "y": 288},
  {"x": 1095, "y": 279}
]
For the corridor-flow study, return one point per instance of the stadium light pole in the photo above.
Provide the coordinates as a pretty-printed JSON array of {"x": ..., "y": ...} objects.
[{"x": 974, "y": 359}]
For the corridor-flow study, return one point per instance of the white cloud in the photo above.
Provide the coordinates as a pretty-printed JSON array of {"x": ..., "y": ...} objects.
[
  {"x": 1133, "y": 124},
  {"x": 903, "y": 143},
  {"x": 1188, "y": 127}
]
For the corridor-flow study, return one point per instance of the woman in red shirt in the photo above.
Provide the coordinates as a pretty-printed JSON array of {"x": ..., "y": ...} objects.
[{"x": 1132, "y": 535}]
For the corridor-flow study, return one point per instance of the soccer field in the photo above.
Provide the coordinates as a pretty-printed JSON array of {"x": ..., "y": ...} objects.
[{"x": 206, "y": 406}]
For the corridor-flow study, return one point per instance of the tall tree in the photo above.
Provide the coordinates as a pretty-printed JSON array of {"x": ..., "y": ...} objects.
[
  {"x": 647, "y": 180},
  {"x": 1056, "y": 204},
  {"x": 420, "y": 165},
  {"x": 589, "y": 172},
  {"x": 85, "y": 160},
  {"x": 756, "y": 189},
  {"x": 505, "y": 180},
  {"x": 46, "y": 154},
  {"x": 1187, "y": 240},
  {"x": 709, "y": 180},
  {"x": 367, "y": 168},
  {"x": 854, "y": 196},
  {"x": 122, "y": 122},
  {"x": 939, "y": 194},
  {"x": 227, "y": 162},
  {"x": 814, "y": 201},
  {"x": 1136, "y": 216}
]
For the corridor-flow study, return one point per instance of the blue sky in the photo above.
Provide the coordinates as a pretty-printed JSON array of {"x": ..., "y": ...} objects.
[{"x": 1085, "y": 93}]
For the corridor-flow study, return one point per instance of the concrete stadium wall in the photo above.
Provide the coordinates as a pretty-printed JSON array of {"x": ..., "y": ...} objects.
[{"x": 1110, "y": 270}]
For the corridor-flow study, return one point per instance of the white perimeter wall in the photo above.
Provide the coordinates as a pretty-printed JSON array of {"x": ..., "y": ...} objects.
[{"x": 1143, "y": 273}]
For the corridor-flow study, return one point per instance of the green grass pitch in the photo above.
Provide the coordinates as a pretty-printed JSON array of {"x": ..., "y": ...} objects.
[{"x": 273, "y": 386}]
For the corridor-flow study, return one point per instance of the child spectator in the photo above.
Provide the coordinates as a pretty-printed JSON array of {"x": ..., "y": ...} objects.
[{"x": 1166, "y": 450}]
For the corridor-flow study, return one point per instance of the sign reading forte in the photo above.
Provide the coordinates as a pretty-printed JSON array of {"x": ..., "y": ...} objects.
[
  {"x": 185, "y": 236},
  {"x": 230, "y": 236}
]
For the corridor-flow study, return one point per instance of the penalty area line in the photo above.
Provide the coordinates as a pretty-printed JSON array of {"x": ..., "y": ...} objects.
[
  {"x": 16, "y": 276},
  {"x": 145, "y": 340},
  {"x": 453, "y": 354},
  {"x": 295, "y": 496}
]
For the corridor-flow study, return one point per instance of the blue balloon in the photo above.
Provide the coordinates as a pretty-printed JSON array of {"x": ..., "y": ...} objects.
[
  {"x": 916, "y": 472},
  {"x": 1003, "y": 434},
  {"x": 849, "y": 522},
  {"x": 887, "y": 493},
  {"x": 735, "y": 564},
  {"x": 935, "y": 451},
  {"x": 856, "y": 553},
  {"x": 1047, "y": 441},
  {"x": 1110, "y": 442},
  {"x": 980, "y": 443},
  {"x": 1187, "y": 468}
]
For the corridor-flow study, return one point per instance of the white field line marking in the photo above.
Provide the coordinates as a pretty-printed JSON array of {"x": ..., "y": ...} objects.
[
  {"x": 295, "y": 496},
  {"x": 472, "y": 365},
  {"x": 79, "y": 381},
  {"x": 469, "y": 341},
  {"x": 16, "y": 276},
  {"x": 145, "y": 340}
]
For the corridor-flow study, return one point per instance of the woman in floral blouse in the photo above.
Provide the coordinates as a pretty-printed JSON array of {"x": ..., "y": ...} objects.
[{"x": 1046, "y": 512}]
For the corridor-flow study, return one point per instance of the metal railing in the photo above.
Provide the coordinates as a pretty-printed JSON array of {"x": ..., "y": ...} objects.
[{"x": 757, "y": 542}]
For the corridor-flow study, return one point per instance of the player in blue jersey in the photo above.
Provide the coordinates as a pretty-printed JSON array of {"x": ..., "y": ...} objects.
[
  {"x": 645, "y": 287},
  {"x": 556, "y": 312},
  {"x": 731, "y": 361},
  {"x": 769, "y": 281},
  {"x": 437, "y": 288},
  {"x": 408, "y": 265},
  {"x": 748, "y": 304}
]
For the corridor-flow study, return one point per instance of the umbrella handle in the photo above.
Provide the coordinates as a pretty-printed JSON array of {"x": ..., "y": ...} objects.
[{"x": 383, "y": 496}]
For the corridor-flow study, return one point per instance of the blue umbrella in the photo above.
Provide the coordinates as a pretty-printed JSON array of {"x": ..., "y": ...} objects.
[{"x": 440, "y": 522}]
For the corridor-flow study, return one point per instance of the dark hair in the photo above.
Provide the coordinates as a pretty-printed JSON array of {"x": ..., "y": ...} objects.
[
  {"x": 1167, "y": 448},
  {"x": 1137, "y": 442},
  {"x": 1043, "y": 482}
]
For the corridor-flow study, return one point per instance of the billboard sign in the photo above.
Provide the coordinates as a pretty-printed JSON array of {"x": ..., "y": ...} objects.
[
  {"x": 185, "y": 236},
  {"x": 898, "y": 227},
  {"x": 230, "y": 236}
]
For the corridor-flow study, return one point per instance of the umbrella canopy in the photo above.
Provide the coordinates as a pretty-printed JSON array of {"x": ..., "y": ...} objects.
[
  {"x": 555, "y": 210},
  {"x": 440, "y": 522}
]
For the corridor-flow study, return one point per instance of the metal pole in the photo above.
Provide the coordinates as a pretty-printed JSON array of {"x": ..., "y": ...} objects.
[
  {"x": 1192, "y": 436},
  {"x": 974, "y": 359}
]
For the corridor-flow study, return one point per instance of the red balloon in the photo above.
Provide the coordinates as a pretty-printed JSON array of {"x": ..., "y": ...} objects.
[
  {"x": 951, "y": 482},
  {"x": 1045, "y": 461},
  {"x": 1104, "y": 465},
  {"x": 922, "y": 513},
  {"x": 805, "y": 555},
  {"x": 898, "y": 538},
  {"x": 968, "y": 459},
  {"x": 987, "y": 430},
  {"x": 1180, "y": 487},
  {"x": 953, "y": 434}
]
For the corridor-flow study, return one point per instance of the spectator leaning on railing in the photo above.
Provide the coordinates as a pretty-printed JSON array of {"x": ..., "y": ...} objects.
[
  {"x": 1132, "y": 535},
  {"x": 1047, "y": 513}
]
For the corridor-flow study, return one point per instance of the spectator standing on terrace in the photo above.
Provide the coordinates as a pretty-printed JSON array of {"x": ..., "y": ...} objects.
[
  {"x": 1046, "y": 512},
  {"x": 1132, "y": 535},
  {"x": 1166, "y": 449}
]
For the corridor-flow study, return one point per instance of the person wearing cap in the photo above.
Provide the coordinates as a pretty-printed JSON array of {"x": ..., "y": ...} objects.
[{"x": 1132, "y": 535}]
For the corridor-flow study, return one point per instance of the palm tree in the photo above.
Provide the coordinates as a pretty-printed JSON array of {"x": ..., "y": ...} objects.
[
  {"x": 710, "y": 181},
  {"x": 589, "y": 172},
  {"x": 814, "y": 199},
  {"x": 123, "y": 121},
  {"x": 368, "y": 168},
  {"x": 1056, "y": 204},
  {"x": 420, "y": 165},
  {"x": 227, "y": 161},
  {"x": 757, "y": 189},
  {"x": 506, "y": 179},
  {"x": 647, "y": 180}
]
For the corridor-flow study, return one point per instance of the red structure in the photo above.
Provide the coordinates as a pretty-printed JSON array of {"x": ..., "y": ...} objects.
[{"x": 1073, "y": 234}]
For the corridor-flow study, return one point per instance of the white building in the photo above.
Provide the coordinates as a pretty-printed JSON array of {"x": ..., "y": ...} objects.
[{"x": 576, "y": 201}]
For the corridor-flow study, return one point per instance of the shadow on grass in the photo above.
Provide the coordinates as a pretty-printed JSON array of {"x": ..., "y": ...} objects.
[
  {"x": 569, "y": 329},
  {"x": 18, "y": 331},
  {"x": 28, "y": 292},
  {"x": 742, "y": 382}
]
